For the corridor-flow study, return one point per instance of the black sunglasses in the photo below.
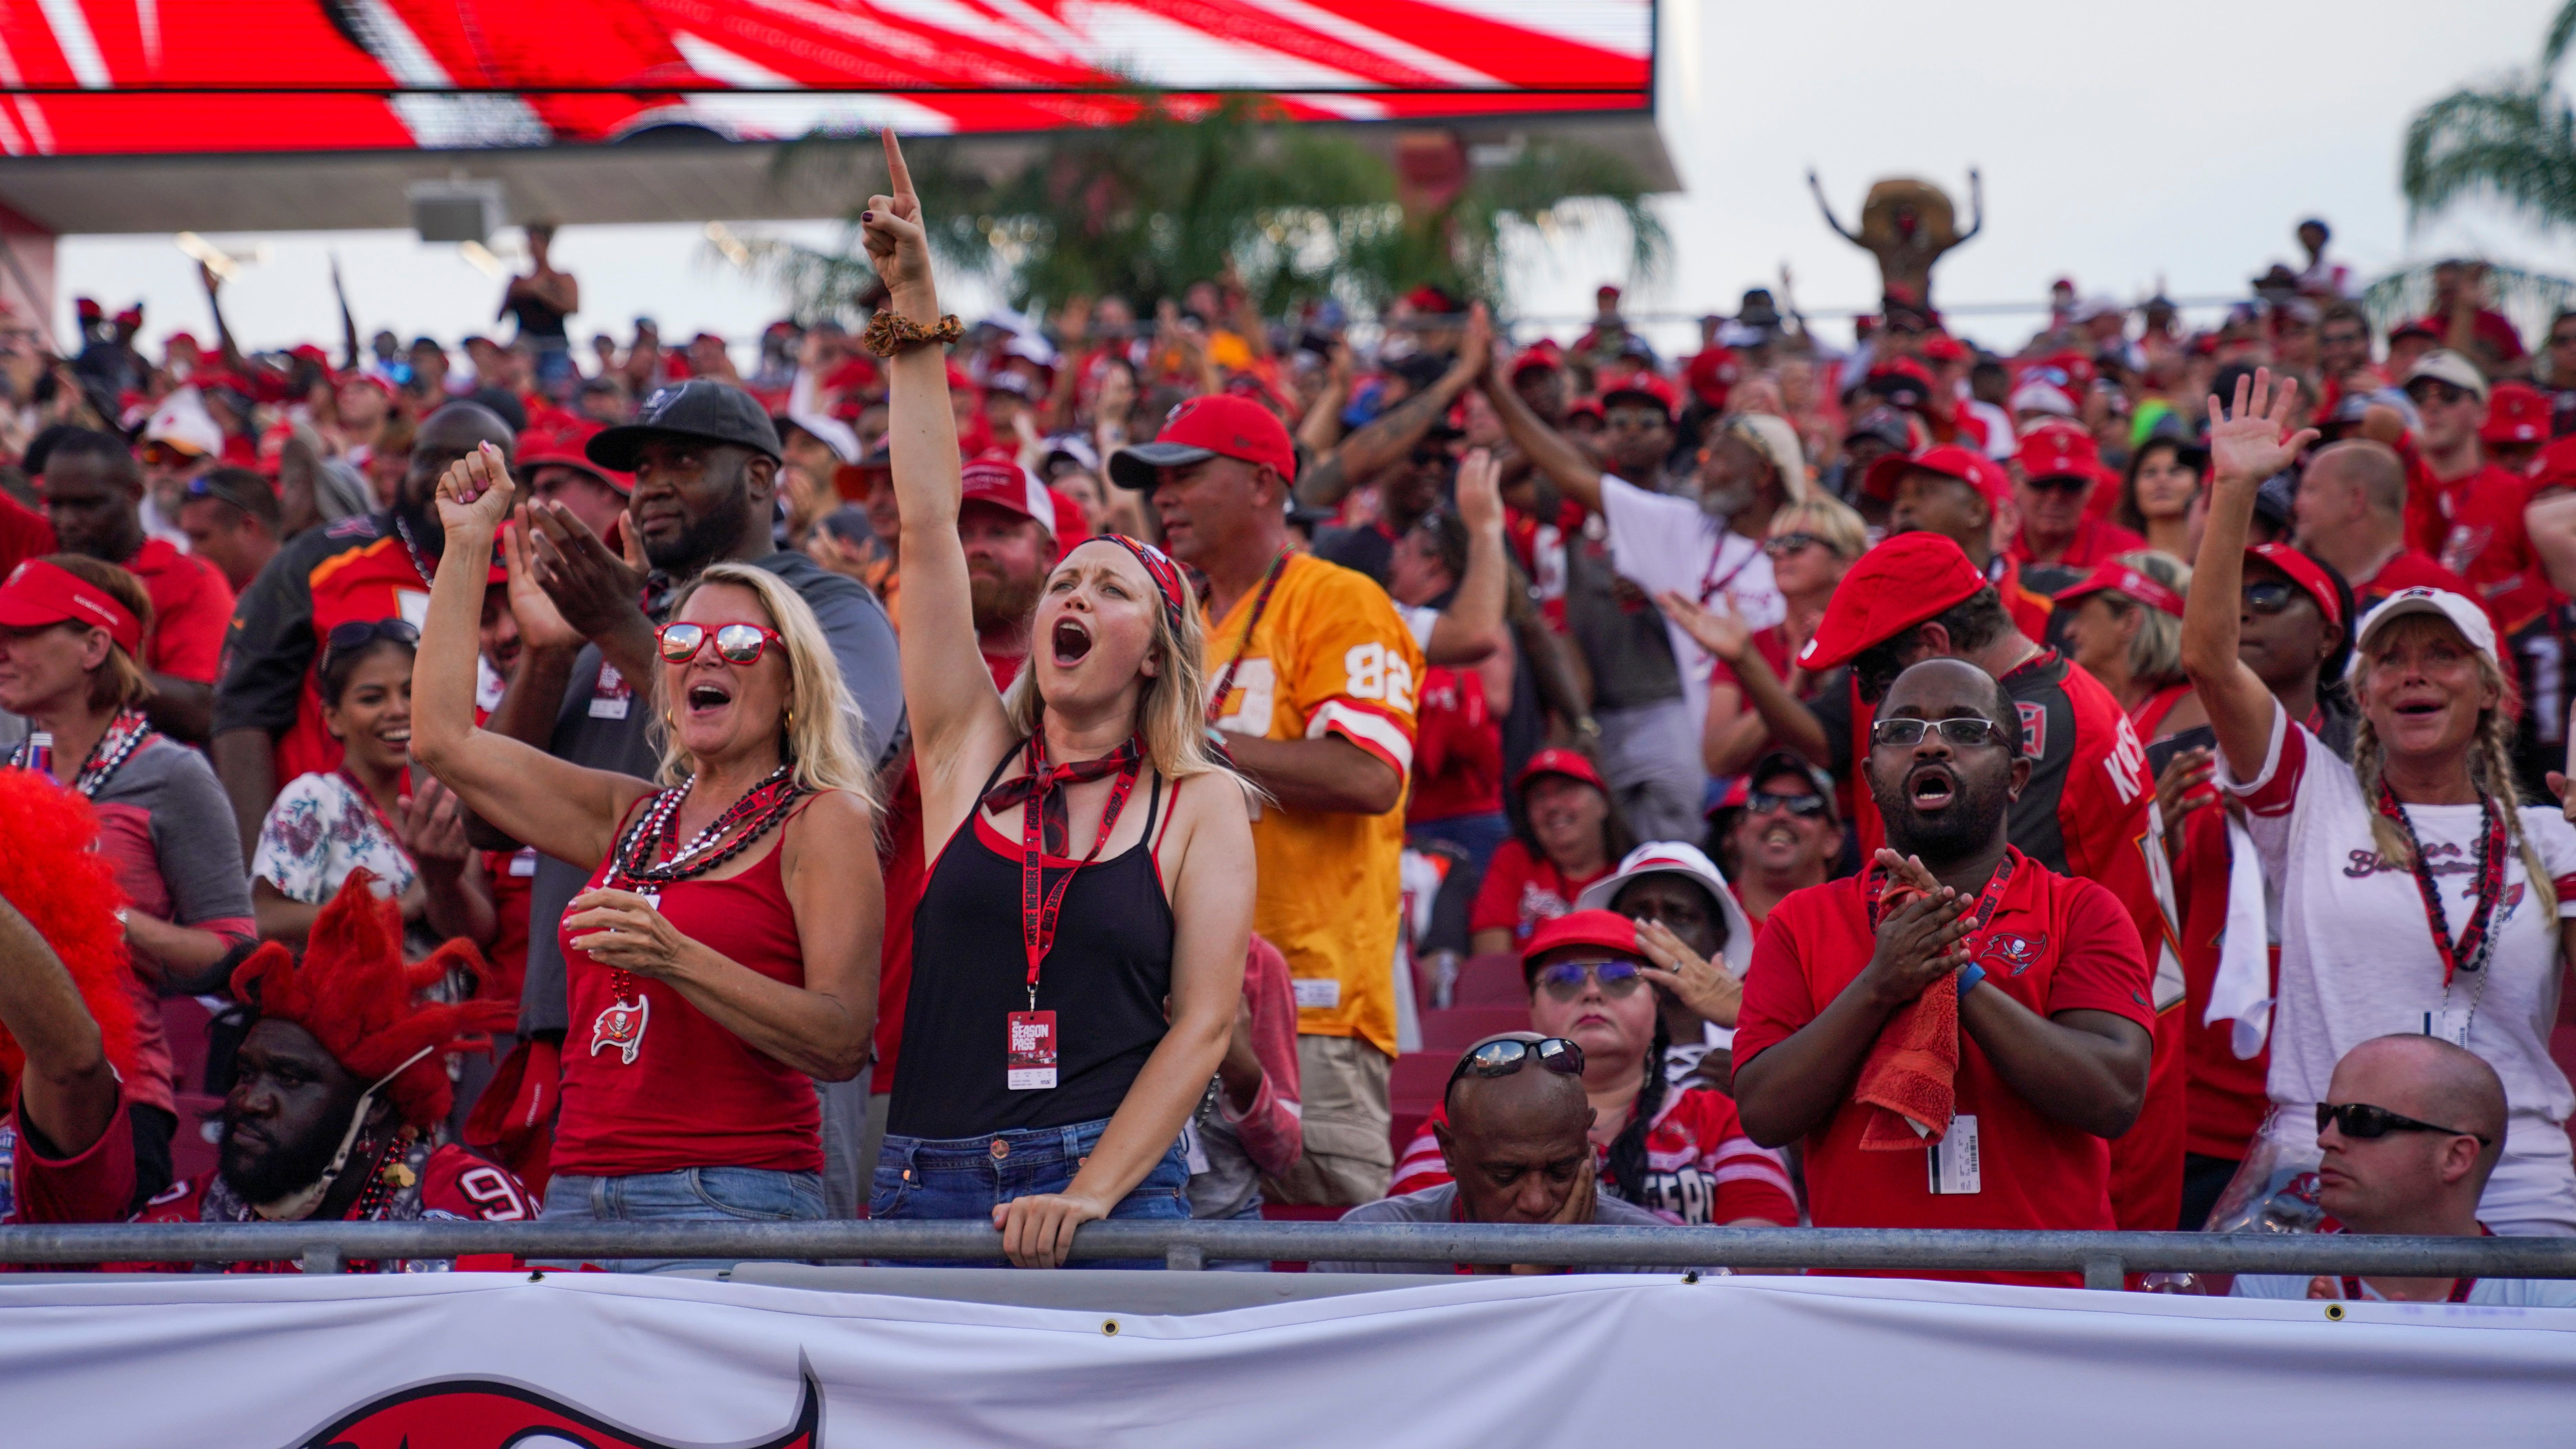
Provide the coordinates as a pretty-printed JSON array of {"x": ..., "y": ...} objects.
[
  {"x": 1906, "y": 731},
  {"x": 2061, "y": 483},
  {"x": 2365, "y": 1123},
  {"x": 1784, "y": 544},
  {"x": 359, "y": 633},
  {"x": 2434, "y": 390},
  {"x": 1502, "y": 1058},
  {"x": 2270, "y": 596},
  {"x": 1763, "y": 802}
]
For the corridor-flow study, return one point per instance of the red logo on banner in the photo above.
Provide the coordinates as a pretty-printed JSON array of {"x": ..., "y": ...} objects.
[{"x": 484, "y": 1414}]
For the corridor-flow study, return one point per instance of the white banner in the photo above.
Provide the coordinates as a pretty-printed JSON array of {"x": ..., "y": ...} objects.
[{"x": 482, "y": 1361}]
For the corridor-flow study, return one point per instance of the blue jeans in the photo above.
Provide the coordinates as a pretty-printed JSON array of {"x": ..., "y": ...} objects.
[
  {"x": 1478, "y": 835},
  {"x": 967, "y": 1177},
  {"x": 695, "y": 1194}
]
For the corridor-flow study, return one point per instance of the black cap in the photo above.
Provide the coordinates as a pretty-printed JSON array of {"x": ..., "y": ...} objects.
[{"x": 699, "y": 408}]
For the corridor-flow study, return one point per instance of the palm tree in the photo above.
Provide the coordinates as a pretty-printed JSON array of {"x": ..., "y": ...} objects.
[
  {"x": 1186, "y": 192},
  {"x": 2515, "y": 138}
]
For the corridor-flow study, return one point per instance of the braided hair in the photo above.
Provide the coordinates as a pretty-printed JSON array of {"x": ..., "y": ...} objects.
[{"x": 1627, "y": 1169}]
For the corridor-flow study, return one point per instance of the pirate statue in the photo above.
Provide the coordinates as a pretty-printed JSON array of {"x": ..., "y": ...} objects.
[{"x": 1908, "y": 225}]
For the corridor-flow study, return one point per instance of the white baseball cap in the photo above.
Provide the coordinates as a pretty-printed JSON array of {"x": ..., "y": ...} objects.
[
  {"x": 2465, "y": 615},
  {"x": 1673, "y": 857}
]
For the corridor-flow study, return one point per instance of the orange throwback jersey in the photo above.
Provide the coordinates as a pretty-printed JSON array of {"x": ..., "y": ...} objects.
[{"x": 1328, "y": 656}]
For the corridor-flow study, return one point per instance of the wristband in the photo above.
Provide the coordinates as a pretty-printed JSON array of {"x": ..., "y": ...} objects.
[
  {"x": 889, "y": 333},
  {"x": 1969, "y": 976}
]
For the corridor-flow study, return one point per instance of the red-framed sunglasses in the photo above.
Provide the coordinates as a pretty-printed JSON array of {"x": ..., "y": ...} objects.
[{"x": 735, "y": 643}]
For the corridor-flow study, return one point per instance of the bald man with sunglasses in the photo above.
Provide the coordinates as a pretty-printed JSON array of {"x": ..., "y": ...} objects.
[{"x": 2410, "y": 1129}]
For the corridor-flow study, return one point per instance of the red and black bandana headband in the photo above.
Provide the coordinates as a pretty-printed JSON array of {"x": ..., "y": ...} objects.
[{"x": 1158, "y": 567}]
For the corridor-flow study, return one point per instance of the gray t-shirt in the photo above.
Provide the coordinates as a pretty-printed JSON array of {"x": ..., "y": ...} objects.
[
  {"x": 602, "y": 725},
  {"x": 1436, "y": 1204}
]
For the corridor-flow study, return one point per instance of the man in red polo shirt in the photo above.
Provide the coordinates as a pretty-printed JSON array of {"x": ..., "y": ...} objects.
[
  {"x": 1960, "y": 494},
  {"x": 93, "y": 491},
  {"x": 2060, "y": 540},
  {"x": 2050, "y": 987},
  {"x": 2088, "y": 810}
]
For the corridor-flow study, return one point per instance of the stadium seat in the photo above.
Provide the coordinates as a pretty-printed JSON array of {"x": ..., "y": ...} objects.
[
  {"x": 1493, "y": 979},
  {"x": 192, "y": 1148},
  {"x": 1416, "y": 1079},
  {"x": 1460, "y": 1027},
  {"x": 187, "y": 1022}
]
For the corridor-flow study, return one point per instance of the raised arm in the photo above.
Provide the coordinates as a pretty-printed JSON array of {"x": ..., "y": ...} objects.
[
  {"x": 1777, "y": 714},
  {"x": 1827, "y": 208},
  {"x": 1392, "y": 434},
  {"x": 2246, "y": 446},
  {"x": 68, "y": 1091},
  {"x": 1547, "y": 449},
  {"x": 957, "y": 721},
  {"x": 562, "y": 809},
  {"x": 1472, "y": 628},
  {"x": 1976, "y": 208}
]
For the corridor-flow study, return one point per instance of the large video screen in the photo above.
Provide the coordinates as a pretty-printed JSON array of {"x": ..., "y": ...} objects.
[{"x": 152, "y": 77}]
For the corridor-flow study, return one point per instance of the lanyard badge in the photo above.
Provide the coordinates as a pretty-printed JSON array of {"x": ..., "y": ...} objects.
[{"x": 1030, "y": 1049}]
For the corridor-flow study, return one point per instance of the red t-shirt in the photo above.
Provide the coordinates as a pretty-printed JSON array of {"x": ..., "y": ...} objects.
[
  {"x": 192, "y": 605},
  {"x": 2096, "y": 541},
  {"x": 1700, "y": 1167},
  {"x": 93, "y": 1187},
  {"x": 1520, "y": 891},
  {"x": 2225, "y": 1094},
  {"x": 2055, "y": 943},
  {"x": 1457, "y": 749}
]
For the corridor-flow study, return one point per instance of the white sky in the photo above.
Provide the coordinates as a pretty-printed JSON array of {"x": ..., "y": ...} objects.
[{"x": 2180, "y": 142}]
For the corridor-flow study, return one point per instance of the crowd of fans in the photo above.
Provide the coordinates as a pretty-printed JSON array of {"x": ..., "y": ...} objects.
[{"x": 2111, "y": 783}]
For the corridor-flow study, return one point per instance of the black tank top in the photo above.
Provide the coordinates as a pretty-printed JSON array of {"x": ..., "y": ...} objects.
[{"x": 1106, "y": 980}]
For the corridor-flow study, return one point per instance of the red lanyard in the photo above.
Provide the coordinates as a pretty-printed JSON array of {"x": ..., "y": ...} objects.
[
  {"x": 1710, "y": 585},
  {"x": 1987, "y": 899},
  {"x": 2473, "y": 946},
  {"x": 1038, "y": 906},
  {"x": 1243, "y": 646}
]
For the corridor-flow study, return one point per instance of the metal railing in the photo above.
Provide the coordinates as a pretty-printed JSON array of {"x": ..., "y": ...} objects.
[{"x": 2103, "y": 1258}]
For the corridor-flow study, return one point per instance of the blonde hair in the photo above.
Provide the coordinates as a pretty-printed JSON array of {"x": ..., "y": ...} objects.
[
  {"x": 2155, "y": 652},
  {"x": 822, "y": 718},
  {"x": 1170, "y": 706},
  {"x": 120, "y": 681},
  {"x": 1828, "y": 518},
  {"x": 2490, "y": 771}
]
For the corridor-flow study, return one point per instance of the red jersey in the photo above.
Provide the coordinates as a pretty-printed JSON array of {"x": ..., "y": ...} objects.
[
  {"x": 2224, "y": 1093},
  {"x": 2055, "y": 943},
  {"x": 1457, "y": 749},
  {"x": 191, "y": 605},
  {"x": 1700, "y": 1167},
  {"x": 2485, "y": 542},
  {"x": 1521, "y": 890},
  {"x": 448, "y": 1181}
]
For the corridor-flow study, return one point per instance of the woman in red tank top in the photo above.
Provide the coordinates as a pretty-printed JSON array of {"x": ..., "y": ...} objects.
[
  {"x": 997, "y": 1108},
  {"x": 725, "y": 954}
]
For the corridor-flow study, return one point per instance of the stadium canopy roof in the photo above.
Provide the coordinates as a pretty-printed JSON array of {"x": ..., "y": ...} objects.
[{"x": 281, "y": 115}]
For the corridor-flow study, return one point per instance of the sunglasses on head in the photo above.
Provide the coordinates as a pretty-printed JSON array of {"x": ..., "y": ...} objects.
[
  {"x": 2365, "y": 1123},
  {"x": 1502, "y": 1058},
  {"x": 1564, "y": 980},
  {"x": 1902, "y": 731},
  {"x": 1806, "y": 807},
  {"x": 359, "y": 633},
  {"x": 735, "y": 643}
]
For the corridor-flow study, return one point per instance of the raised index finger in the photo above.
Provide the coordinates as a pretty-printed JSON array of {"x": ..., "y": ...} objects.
[{"x": 898, "y": 176}]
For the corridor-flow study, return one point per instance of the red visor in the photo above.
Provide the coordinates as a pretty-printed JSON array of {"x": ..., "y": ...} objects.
[
  {"x": 2137, "y": 584},
  {"x": 2304, "y": 572},
  {"x": 1608, "y": 930},
  {"x": 38, "y": 593}
]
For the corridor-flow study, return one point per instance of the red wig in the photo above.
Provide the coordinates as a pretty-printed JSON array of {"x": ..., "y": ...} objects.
[
  {"x": 50, "y": 869},
  {"x": 354, "y": 992}
]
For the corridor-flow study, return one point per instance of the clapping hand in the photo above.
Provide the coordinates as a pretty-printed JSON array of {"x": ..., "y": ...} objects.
[
  {"x": 1920, "y": 921},
  {"x": 2253, "y": 441}
]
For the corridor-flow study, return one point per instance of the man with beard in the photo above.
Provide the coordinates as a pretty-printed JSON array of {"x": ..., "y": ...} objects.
[
  {"x": 93, "y": 494},
  {"x": 705, "y": 458},
  {"x": 1954, "y": 944},
  {"x": 268, "y": 706},
  {"x": 338, "y": 1088}
]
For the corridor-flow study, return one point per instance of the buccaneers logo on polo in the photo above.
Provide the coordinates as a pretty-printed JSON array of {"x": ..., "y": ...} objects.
[
  {"x": 487, "y": 1414},
  {"x": 2016, "y": 954}
]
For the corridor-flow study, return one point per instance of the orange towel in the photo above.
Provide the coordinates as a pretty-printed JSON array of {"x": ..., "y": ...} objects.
[{"x": 1912, "y": 1072}]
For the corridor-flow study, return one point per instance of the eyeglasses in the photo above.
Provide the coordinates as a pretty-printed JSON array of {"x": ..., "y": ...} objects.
[
  {"x": 2365, "y": 1123},
  {"x": 359, "y": 633},
  {"x": 1806, "y": 807},
  {"x": 2062, "y": 483},
  {"x": 2435, "y": 391},
  {"x": 1783, "y": 545},
  {"x": 735, "y": 643},
  {"x": 1904, "y": 732},
  {"x": 2270, "y": 596},
  {"x": 1564, "y": 980},
  {"x": 1502, "y": 1058}
]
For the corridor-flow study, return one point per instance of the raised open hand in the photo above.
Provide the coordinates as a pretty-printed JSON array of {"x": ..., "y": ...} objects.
[
  {"x": 890, "y": 229},
  {"x": 1721, "y": 631},
  {"x": 1480, "y": 493},
  {"x": 474, "y": 494},
  {"x": 2253, "y": 441},
  {"x": 541, "y": 624}
]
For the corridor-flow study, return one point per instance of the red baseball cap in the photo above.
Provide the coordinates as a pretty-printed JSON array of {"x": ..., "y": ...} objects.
[
  {"x": 38, "y": 593},
  {"x": 2305, "y": 572},
  {"x": 2049, "y": 452},
  {"x": 1608, "y": 930},
  {"x": 1589, "y": 407},
  {"x": 995, "y": 477},
  {"x": 1540, "y": 356},
  {"x": 1643, "y": 385},
  {"x": 1950, "y": 461},
  {"x": 2517, "y": 412},
  {"x": 2119, "y": 578},
  {"x": 1942, "y": 347},
  {"x": 562, "y": 447},
  {"x": 1569, "y": 763},
  {"x": 1215, "y": 426},
  {"x": 1894, "y": 587}
]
